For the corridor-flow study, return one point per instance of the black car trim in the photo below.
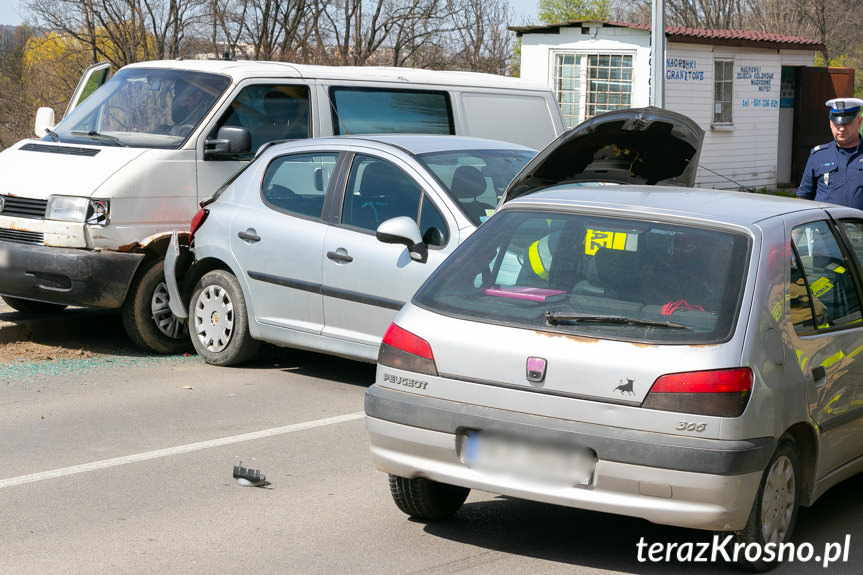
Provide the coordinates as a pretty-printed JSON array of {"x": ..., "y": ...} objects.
[
  {"x": 629, "y": 446},
  {"x": 840, "y": 420},
  {"x": 348, "y": 295}
]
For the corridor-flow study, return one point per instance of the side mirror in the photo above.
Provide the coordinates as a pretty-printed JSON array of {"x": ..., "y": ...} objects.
[
  {"x": 44, "y": 120},
  {"x": 403, "y": 230},
  {"x": 231, "y": 141}
]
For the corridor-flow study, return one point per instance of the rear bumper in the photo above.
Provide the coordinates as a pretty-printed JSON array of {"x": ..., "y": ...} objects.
[
  {"x": 701, "y": 484},
  {"x": 66, "y": 276}
]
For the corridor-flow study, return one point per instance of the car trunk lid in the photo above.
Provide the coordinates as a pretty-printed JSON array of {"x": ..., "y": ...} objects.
[{"x": 649, "y": 146}]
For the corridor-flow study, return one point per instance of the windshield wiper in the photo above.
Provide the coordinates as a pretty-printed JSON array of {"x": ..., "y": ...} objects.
[
  {"x": 100, "y": 136},
  {"x": 52, "y": 134},
  {"x": 555, "y": 318}
]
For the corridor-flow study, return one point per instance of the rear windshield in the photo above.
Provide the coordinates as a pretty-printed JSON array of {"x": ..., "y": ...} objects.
[
  {"x": 384, "y": 110},
  {"x": 595, "y": 276}
]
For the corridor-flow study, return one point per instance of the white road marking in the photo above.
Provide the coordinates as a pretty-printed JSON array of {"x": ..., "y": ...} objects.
[{"x": 96, "y": 465}]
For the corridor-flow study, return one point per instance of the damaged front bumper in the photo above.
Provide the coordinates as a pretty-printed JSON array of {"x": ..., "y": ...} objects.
[{"x": 66, "y": 276}]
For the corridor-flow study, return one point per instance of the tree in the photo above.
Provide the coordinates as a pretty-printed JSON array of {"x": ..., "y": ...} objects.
[
  {"x": 554, "y": 11},
  {"x": 482, "y": 40},
  {"x": 16, "y": 103}
]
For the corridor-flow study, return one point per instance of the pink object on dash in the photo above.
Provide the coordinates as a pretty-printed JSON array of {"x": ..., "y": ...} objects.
[{"x": 526, "y": 293}]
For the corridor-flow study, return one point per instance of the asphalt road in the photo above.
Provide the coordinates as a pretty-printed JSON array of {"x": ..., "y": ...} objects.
[{"x": 123, "y": 463}]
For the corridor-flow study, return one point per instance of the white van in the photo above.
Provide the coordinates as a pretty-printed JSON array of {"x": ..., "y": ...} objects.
[{"x": 86, "y": 213}]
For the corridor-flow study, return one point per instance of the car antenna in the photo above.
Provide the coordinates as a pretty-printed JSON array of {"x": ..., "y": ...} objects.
[{"x": 739, "y": 185}]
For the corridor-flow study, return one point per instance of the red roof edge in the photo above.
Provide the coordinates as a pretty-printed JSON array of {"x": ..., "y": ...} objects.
[{"x": 685, "y": 35}]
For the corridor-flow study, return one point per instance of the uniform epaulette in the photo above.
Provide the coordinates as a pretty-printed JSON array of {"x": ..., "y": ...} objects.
[{"x": 818, "y": 147}]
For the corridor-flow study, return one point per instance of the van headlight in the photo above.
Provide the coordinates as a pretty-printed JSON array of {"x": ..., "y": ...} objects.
[{"x": 75, "y": 209}]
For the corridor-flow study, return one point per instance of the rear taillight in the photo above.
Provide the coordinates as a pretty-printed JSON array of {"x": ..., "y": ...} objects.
[
  {"x": 198, "y": 219},
  {"x": 719, "y": 392},
  {"x": 403, "y": 350}
]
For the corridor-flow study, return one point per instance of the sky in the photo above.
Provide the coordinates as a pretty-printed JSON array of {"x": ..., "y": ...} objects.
[
  {"x": 523, "y": 12},
  {"x": 9, "y": 12}
]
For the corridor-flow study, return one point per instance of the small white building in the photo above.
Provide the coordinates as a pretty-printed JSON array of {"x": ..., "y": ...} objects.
[{"x": 739, "y": 86}]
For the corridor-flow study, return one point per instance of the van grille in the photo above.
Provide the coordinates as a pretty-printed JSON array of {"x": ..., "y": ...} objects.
[
  {"x": 66, "y": 150},
  {"x": 22, "y": 207},
  {"x": 19, "y": 237}
]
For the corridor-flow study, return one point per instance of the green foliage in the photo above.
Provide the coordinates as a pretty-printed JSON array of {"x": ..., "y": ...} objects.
[
  {"x": 515, "y": 58},
  {"x": 553, "y": 11}
]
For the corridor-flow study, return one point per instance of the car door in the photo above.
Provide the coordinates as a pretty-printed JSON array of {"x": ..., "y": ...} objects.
[
  {"x": 825, "y": 309},
  {"x": 367, "y": 281},
  {"x": 277, "y": 237}
]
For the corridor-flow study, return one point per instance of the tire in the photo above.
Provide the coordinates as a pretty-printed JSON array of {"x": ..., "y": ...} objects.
[
  {"x": 219, "y": 321},
  {"x": 774, "y": 511},
  {"x": 146, "y": 316},
  {"x": 32, "y": 306},
  {"x": 423, "y": 498}
]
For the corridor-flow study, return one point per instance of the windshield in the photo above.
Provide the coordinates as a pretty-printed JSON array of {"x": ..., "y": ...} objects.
[
  {"x": 476, "y": 178},
  {"x": 144, "y": 108},
  {"x": 604, "y": 277}
]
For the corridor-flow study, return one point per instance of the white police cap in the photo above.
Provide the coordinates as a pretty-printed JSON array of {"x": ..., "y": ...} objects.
[{"x": 844, "y": 110}]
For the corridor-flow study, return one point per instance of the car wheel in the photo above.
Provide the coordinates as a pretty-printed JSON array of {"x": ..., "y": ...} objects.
[
  {"x": 219, "y": 320},
  {"x": 31, "y": 306},
  {"x": 146, "y": 316},
  {"x": 775, "y": 509},
  {"x": 423, "y": 498}
]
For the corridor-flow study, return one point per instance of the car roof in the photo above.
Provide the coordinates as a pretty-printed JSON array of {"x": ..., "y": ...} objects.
[
  {"x": 720, "y": 206},
  {"x": 243, "y": 69},
  {"x": 411, "y": 144}
]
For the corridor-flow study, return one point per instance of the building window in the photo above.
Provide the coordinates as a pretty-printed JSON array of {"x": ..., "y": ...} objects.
[
  {"x": 567, "y": 86},
  {"x": 723, "y": 81},
  {"x": 589, "y": 84},
  {"x": 610, "y": 84}
]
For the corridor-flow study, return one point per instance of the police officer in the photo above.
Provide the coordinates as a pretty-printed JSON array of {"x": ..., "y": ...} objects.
[{"x": 834, "y": 171}]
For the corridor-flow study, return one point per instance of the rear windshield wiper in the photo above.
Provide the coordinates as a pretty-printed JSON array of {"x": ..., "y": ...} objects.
[
  {"x": 100, "y": 136},
  {"x": 555, "y": 318}
]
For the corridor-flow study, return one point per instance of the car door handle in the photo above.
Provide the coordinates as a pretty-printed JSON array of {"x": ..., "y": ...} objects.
[
  {"x": 819, "y": 374},
  {"x": 339, "y": 256},
  {"x": 250, "y": 235}
]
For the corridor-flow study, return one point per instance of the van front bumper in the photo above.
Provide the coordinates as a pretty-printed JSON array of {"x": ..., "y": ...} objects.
[
  {"x": 708, "y": 484},
  {"x": 66, "y": 276}
]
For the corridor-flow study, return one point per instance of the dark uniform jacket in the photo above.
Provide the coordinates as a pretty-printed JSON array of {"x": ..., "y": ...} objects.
[{"x": 834, "y": 176}]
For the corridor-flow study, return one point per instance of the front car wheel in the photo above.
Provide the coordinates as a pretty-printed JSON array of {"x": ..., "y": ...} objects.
[{"x": 146, "y": 316}]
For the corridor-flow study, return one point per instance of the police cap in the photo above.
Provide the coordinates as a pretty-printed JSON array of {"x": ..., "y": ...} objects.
[{"x": 844, "y": 110}]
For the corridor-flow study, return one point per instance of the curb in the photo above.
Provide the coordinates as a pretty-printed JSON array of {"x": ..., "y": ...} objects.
[{"x": 17, "y": 326}]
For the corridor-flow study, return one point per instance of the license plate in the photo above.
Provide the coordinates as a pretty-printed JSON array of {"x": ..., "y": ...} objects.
[{"x": 517, "y": 457}]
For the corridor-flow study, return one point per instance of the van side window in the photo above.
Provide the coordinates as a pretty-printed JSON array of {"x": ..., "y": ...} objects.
[
  {"x": 387, "y": 110},
  {"x": 298, "y": 183},
  {"x": 820, "y": 278},
  {"x": 270, "y": 112},
  {"x": 378, "y": 191}
]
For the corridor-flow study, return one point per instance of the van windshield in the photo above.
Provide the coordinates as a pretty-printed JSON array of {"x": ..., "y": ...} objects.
[{"x": 143, "y": 108}]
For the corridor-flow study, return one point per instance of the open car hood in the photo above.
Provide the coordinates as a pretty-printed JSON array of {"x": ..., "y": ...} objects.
[{"x": 650, "y": 146}]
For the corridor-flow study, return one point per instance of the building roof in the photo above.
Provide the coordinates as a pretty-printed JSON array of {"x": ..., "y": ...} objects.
[{"x": 685, "y": 35}]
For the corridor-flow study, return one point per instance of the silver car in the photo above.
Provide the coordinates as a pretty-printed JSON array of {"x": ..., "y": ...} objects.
[
  {"x": 691, "y": 357},
  {"x": 318, "y": 243}
]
